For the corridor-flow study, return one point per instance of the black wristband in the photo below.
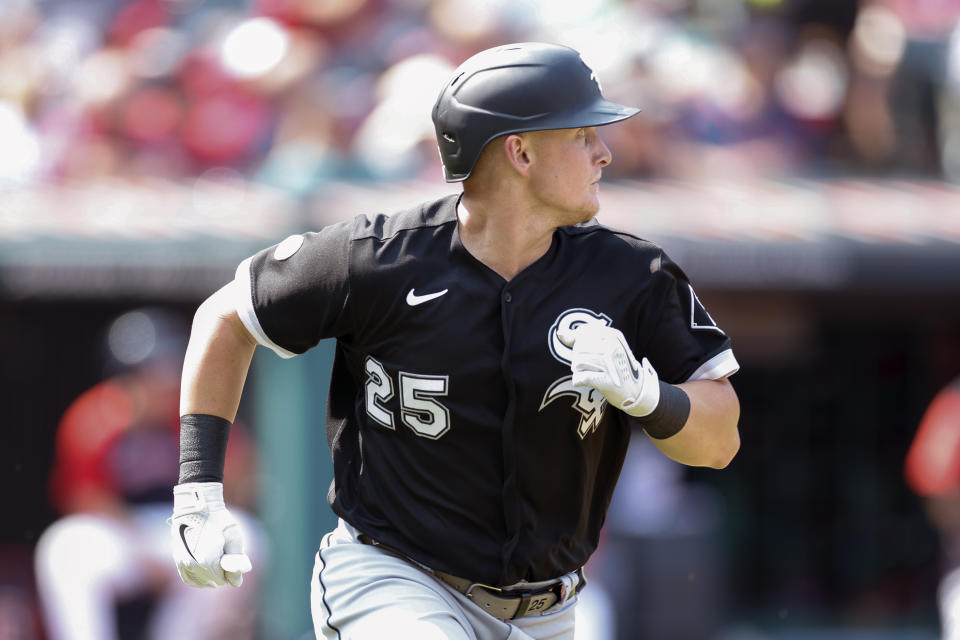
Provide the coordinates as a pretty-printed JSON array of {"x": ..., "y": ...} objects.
[
  {"x": 671, "y": 413},
  {"x": 203, "y": 447}
]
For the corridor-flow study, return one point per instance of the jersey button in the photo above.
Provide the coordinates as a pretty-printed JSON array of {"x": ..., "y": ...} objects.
[{"x": 507, "y": 297}]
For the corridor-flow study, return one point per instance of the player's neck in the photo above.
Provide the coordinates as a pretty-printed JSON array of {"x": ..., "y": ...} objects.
[{"x": 508, "y": 239}]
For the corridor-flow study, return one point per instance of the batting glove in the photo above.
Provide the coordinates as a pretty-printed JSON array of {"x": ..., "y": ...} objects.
[
  {"x": 602, "y": 359},
  {"x": 207, "y": 542}
]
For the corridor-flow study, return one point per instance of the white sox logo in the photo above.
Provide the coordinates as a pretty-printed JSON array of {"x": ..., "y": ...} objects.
[
  {"x": 589, "y": 402},
  {"x": 593, "y": 74}
]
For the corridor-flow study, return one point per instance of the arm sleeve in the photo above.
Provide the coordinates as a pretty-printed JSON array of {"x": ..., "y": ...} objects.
[
  {"x": 685, "y": 343},
  {"x": 294, "y": 294}
]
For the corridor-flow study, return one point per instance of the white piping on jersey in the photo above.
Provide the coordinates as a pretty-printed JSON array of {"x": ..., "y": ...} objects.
[
  {"x": 719, "y": 366},
  {"x": 248, "y": 316}
]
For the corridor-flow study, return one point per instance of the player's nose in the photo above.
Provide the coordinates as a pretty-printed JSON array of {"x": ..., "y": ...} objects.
[{"x": 601, "y": 151}]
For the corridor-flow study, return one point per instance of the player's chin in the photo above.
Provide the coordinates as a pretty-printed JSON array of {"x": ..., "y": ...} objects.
[
  {"x": 587, "y": 214},
  {"x": 581, "y": 211},
  {"x": 592, "y": 205}
]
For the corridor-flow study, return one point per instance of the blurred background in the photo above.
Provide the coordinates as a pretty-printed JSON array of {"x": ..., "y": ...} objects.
[{"x": 799, "y": 158}]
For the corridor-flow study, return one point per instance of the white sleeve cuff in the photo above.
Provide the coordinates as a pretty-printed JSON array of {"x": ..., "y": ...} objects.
[
  {"x": 248, "y": 316},
  {"x": 719, "y": 366}
]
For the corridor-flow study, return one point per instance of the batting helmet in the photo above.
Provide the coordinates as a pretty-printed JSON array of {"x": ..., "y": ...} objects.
[{"x": 528, "y": 86}]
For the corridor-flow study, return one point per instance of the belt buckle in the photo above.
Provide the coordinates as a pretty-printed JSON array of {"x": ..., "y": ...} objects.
[
  {"x": 500, "y": 593},
  {"x": 486, "y": 587}
]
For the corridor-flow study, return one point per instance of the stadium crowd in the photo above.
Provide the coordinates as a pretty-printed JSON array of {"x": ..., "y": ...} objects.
[{"x": 292, "y": 93}]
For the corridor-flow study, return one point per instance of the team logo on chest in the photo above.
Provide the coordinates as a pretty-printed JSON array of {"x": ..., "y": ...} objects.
[{"x": 588, "y": 402}]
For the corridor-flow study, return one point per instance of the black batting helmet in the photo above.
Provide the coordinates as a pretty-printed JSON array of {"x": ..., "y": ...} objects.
[{"x": 529, "y": 86}]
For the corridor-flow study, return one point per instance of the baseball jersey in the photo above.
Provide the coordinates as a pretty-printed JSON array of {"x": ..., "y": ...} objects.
[{"x": 456, "y": 434}]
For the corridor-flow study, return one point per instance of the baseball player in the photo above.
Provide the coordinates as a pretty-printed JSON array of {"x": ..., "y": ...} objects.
[
  {"x": 494, "y": 348},
  {"x": 932, "y": 470}
]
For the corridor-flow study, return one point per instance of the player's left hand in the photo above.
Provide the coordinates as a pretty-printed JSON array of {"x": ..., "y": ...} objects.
[
  {"x": 602, "y": 359},
  {"x": 207, "y": 542}
]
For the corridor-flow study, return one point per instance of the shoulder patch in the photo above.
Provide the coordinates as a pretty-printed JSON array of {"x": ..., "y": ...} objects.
[
  {"x": 699, "y": 317},
  {"x": 288, "y": 247}
]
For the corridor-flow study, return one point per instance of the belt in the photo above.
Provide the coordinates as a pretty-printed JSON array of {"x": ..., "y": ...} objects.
[
  {"x": 507, "y": 604},
  {"x": 504, "y": 604}
]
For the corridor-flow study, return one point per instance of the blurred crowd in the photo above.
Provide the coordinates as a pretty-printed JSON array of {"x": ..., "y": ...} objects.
[{"x": 292, "y": 93}]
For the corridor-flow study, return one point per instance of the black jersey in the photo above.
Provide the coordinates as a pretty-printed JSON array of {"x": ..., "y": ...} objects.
[{"x": 455, "y": 432}]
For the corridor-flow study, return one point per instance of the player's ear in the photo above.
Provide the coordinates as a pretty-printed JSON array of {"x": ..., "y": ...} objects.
[{"x": 517, "y": 149}]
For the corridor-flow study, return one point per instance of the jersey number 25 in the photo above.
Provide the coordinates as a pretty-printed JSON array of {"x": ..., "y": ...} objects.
[{"x": 419, "y": 408}]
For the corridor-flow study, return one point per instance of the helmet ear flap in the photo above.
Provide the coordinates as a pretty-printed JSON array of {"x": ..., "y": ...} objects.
[{"x": 448, "y": 144}]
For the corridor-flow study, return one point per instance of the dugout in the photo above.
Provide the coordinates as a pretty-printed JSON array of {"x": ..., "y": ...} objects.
[{"x": 842, "y": 300}]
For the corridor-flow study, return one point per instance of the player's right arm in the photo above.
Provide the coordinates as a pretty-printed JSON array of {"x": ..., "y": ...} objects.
[
  {"x": 287, "y": 298},
  {"x": 218, "y": 358},
  {"x": 208, "y": 547}
]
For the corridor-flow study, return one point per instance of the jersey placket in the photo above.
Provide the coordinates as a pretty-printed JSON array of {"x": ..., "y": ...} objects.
[
  {"x": 515, "y": 297},
  {"x": 510, "y": 499}
]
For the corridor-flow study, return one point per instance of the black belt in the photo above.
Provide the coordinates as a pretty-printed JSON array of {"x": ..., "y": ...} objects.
[{"x": 505, "y": 604}]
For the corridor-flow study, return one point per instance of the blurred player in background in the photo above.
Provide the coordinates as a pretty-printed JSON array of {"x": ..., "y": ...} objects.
[
  {"x": 115, "y": 459},
  {"x": 933, "y": 472}
]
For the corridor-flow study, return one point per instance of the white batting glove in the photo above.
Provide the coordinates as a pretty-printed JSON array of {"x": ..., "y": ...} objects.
[
  {"x": 207, "y": 542},
  {"x": 602, "y": 359}
]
